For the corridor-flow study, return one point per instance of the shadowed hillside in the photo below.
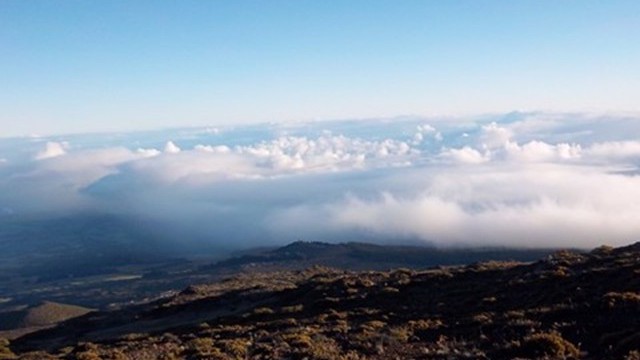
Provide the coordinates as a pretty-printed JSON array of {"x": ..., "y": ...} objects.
[
  {"x": 31, "y": 318},
  {"x": 566, "y": 306},
  {"x": 137, "y": 279},
  {"x": 364, "y": 256}
]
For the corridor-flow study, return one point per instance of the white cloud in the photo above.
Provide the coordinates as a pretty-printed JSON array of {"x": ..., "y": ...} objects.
[
  {"x": 528, "y": 182},
  {"x": 221, "y": 149},
  {"x": 148, "y": 152},
  {"x": 615, "y": 150},
  {"x": 425, "y": 130},
  {"x": 539, "y": 205},
  {"x": 539, "y": 151},
  {"x": 52, "y": 149},
  {"x": 171, "y": 148},
  {"x": 494, "y": 136},
  {"x": 465, "y": 155},
  {"x": 328, "y": 153},
  {"x": 55, "y": 185}
]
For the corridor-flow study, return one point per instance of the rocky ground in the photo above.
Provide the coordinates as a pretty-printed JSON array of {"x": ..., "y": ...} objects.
[{"x": 566, "y": 306}]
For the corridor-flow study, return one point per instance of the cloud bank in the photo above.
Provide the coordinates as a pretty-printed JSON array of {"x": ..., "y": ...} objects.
[{"x": 523, "y": 179}]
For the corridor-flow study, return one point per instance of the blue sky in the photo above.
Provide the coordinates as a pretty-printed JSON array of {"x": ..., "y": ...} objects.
[{"x": 80, "y": 66}]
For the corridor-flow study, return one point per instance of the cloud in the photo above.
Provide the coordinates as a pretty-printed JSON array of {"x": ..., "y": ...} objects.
[
  {"x": 531, "y": 180},
  {"x": 52, "y": 149},
  {"x": 426, "y": 130},
  {"x": 171, "y": 148},
  {"x": 615, "y": 150},
  {"x": 494, "y": 136},
  {"x": 464, "y": 155},
  {"x": 148, "y": 152},
  {"x": 539, "y": 205},
  {"x": 54, "y": 184},
  {"x": 539, "y": 151},
  {"x": 221, "y": 149}
]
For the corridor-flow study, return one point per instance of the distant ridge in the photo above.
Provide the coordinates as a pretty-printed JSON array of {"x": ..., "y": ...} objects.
[{"x": 365, "y": 256}]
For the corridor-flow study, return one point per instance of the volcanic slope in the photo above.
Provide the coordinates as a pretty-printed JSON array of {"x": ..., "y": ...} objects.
[{"x": 566, "y": 306}]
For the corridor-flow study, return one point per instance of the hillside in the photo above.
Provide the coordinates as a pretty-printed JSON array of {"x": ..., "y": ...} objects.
[
  {"x": 121, "y": 283},
  {"x": 31, "y": 318},
  {"x": 568, "y": 305}
]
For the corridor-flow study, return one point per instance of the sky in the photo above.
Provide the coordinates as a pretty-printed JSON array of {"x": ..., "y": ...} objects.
[
  {"x": 252, "y": 123},
  {"x": 87, "y": 66}
]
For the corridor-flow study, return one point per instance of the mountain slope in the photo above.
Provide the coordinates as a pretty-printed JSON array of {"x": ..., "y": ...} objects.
[
  {"x": 32, "y": 318},
  {"x": 43, "y": 314},
  {"x": 568, "y": 305}
]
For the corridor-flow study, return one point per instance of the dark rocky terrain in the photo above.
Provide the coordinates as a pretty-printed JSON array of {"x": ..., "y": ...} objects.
[
  {"x": 568, "y": 305},
  {"x": 87, "y": 281},
  {"x": 364, "y": 256}
]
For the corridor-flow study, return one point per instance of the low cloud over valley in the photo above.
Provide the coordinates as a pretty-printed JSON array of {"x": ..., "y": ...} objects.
[{"x": 521, "y": 179}]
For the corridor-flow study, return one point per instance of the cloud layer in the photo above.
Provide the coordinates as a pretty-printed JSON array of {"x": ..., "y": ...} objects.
[{"x": 521, "y": 179}]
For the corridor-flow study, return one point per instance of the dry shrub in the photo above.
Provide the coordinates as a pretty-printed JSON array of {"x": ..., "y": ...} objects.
[
  {"x": 628, "y": 298},
  {"x": 203, "y": 347},
  {"x": 293, "y": 309},
  {"x": 400, "y": 334},
  {"x": 5, "y": 351},
  {"x": 88, "y": 351},
  {"x": 236, "y": 347},
  {"x": 306, "y": 345},
  {"x": 373, "y": 325},
  {"x": 633, "y": 355},
  {"x": 548, "y": 344},
  {"x": 263, "y": 311},
  {"x": 37, "y": 355}
]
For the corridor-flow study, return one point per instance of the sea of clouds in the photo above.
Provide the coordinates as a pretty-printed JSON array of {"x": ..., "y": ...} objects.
[{"x": 519, "y": 179}]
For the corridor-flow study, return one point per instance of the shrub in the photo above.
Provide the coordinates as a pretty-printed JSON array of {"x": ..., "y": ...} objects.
[
  {"x": 5, "y": 351},
  {"x": 603, "y": 250},
  {"x": 236, "y": 347},
  {"x": 373, "y": 325},
  {"x": 287, "y": 322},
  {"x": 424, "y": 324},
  {"x": 626, "y": 299},
  {"x": 548, "y": 344},
  {"x": 321, "y": 348},
  {"x": 115, "y": 354},
  {"x": 298, "y": 340},
  {"x": 303, "y": 344},
  {"x": 482, "y": 318},
  {"x": 292, "y": 309},
  {"x": 201, "y": 346},
  {"x": 400, "y": 334},
  {"x": 263, "y": 311},
  {"x": 87, "y": 351},
  {"x": 88, "y": 355},
  {"x": 134, "y": 337},
  {"x": 633, "y": 355},
  {"x": 37, "y": 355}
]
